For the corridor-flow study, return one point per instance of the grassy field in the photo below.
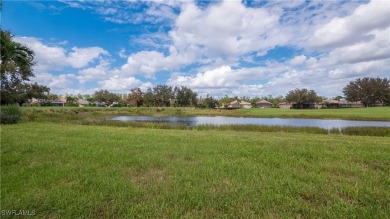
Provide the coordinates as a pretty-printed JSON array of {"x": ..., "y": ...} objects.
[
  {"x": 372, "y": 113},
  {"x": 65, "y": 170}
]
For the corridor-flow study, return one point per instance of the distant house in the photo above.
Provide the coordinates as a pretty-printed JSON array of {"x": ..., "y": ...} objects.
[
  {"x": 57, "y": 103},
  {"x": 82, "y": 102},
  {"x": 240, "y": 104},
  {"x": 306, "y": 106},
  {"x": 61, "y": 99},
  {"x": 342, "y": 104},
  {"x": 263, "y": 104},
  {"x": 60, "y": 102},
  {"x": 100, "y": 104},
  {"x": 285, "y": 105}
]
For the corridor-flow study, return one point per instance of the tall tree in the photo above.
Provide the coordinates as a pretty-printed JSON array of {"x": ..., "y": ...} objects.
[
  {"x": 149, "y": 98},
  {"x": 17, "y": 60},
  {"x": 208, "y": 102},
  {"x": 368, "y": 91},
  {"x": 184, "y": 96},
  {"x": 225, "y": 101},
  {"x": 71, "y": 99},
  {"x": 302, "y": 97},
  {"x": 163, "y": 95},
  {"x": 135, "y": 97},
  {"x": 16, "y": 67},
  {"x": 106, "y": 96}
]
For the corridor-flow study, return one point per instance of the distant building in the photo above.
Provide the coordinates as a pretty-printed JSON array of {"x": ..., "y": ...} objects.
[
  {"x": 60, "y": 102},
  {"x": 263, "y": 104},
  {"x": 306, "y": 106},
  {"x": 83, "y": 102},
  {"x": 342, "y": 104},
  {"x": 100, "y": 104},
  {"x": 285, "y": 105},
  {"x": 240, "y": 104}
]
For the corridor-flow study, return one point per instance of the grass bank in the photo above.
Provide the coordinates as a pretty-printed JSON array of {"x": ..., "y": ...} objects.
[
  {"x": 372, "y": 113},
  {"x": 67, "y": 170}
]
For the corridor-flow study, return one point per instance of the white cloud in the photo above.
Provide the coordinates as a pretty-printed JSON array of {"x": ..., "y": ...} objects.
[
  {"x": 218, "y": 34},
  {"x": 56, "y": 57},
  {"x": 100, "y": 71},
  {"x": 81, "y": 57},
  {"x": 220, "y": 77},
  {"x": 227, "y": 81},
  {"x": 226, "y": 29},
  {"x": 354, "y": 28},
  {"x": 55, "y": 82},
  {"x": 298, "y": 60},
  {"x": 376, "y": 49},
  {"x": 122, "y": 53},
  {"x": 123, "y": 84},
  {"x": 148, "y": 63},
  {"x": 47, "y": 57}
]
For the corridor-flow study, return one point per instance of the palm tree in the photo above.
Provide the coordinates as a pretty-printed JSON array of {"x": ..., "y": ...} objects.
[
  {"x": 17, "y": 60},
  {"x": 16, "y": 66}
]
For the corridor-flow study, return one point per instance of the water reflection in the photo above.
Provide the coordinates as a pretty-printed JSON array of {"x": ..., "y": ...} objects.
[{"x": 222, "y": 120}]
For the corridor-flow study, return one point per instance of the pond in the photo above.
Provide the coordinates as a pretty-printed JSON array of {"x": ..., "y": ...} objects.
[{"x": 223, "y": 120}]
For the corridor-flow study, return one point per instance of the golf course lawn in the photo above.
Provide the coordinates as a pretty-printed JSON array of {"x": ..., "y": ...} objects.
[{"x": 69, "y": 171}]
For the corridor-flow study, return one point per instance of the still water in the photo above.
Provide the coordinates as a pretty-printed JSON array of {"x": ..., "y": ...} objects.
[{"x": 223, "y": 120}]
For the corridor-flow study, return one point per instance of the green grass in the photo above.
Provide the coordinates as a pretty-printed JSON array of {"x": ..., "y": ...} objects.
[
  {"x": 372, "y": 113},
  {"x": 73, "y": 171}
]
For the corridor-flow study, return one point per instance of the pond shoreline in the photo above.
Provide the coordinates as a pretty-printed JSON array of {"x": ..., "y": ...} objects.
[
  {"x": 224, "y": 120},
  {"x": 353, "y": 114}
]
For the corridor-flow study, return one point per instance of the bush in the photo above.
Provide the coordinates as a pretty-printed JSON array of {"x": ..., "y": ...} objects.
[
  {"x": 71, "y": 104},
  {"x": 10, "y": 114}
]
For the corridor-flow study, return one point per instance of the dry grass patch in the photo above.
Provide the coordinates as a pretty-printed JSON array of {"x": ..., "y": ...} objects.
[{"x": 144, "y": 179}]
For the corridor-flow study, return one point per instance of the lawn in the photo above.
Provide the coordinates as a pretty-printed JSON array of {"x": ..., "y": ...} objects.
[{"x": 67, "y": 170}]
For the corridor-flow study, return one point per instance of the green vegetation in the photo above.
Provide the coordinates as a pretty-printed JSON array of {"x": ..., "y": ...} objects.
[
  {"x": 303, "y": 98},
  {"x": 369, "y": 91},
  {"x": 72, "y": 171},
  {"x": 16, "y": 69},
  {"x": 10, "y": 114}
]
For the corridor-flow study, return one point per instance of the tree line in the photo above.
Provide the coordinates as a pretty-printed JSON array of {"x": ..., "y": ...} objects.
[{"x": 16, "y": 70}]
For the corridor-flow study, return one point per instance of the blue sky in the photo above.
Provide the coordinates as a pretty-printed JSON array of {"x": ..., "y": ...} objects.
[{"x": 235, "y": 48}]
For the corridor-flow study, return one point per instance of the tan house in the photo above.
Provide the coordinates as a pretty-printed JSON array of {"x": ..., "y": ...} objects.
[
  {"x": 285, "y": 105},
  {"x": 263, "y": 104},
  {"x": 240, "y": 104}
]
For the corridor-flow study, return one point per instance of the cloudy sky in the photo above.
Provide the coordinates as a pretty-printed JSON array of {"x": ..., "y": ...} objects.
[{"x": 235, "y": 48}]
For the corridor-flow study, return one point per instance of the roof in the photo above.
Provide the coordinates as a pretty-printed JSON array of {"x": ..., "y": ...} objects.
[
  {"x": 61, "y": 99},
  {"x": 82, "y": 101},
  {"x": 242, "y": 102},
  {"x": 342, "y": 101},
  {"x": 264, "y": 102}
]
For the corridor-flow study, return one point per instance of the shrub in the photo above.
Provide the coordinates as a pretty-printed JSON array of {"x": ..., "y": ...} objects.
[{"x": 10, "y": 114}]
